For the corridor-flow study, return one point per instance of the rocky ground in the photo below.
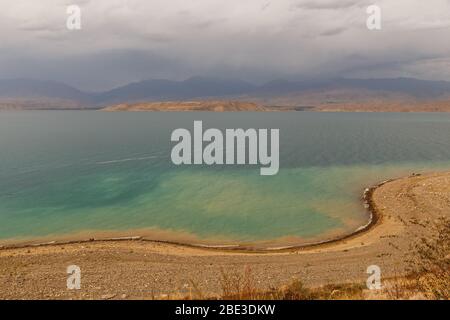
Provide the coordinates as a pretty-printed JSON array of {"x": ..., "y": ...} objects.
[{"x": 148, "y": 270}]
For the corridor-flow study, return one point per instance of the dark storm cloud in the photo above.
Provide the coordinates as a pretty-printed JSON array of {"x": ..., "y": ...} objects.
[{"x": 256, "y": 40}]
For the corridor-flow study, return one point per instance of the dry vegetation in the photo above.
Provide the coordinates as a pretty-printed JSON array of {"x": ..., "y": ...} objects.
[
  {"x": 242, "y": 287},
  {"x": 411, "y": 246},
  {"x": 430, "y": 269},
  {"x": 428, "y": 278}
]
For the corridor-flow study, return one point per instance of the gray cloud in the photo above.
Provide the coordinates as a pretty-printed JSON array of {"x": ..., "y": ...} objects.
[
  {"x": 256, "y": 40},
  {"x": 333, "y": 32},
  {"x": 329, "y": 4}
]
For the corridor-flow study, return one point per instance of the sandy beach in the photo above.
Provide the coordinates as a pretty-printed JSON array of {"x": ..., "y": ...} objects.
[{"x": 135, "y": 269}]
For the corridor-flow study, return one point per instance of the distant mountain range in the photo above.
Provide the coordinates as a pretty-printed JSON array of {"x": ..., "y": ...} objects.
[{"x": 335, "y": 94}]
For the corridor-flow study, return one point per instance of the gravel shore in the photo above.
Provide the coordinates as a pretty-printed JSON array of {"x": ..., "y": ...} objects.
[{"x": 134, "y": 269}]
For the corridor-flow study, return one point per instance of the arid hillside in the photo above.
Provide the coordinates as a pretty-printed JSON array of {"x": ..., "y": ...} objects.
[
  {"x": 13, "y": 104},
  {"x": 218, "y": 106},
  {"x": 353, "y": 100},
  {"x": 213, "y": 94}
]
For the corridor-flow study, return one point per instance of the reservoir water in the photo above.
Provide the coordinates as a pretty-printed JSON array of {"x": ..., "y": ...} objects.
[{"x": 91, "y": 173}]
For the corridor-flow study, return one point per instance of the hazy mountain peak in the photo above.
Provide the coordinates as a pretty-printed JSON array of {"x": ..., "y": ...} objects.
[{"x": 276, "y": 92}]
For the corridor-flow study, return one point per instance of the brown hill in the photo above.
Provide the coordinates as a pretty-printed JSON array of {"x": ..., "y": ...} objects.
[
  {"x": 39, "y": 104},
  {"x": 353, "y": 100},
  {"x": 218, "y": 106}
]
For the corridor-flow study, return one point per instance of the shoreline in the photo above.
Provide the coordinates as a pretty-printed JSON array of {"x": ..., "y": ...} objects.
[
  {"x": 374, "y": 219},
  {"x": 270, "y": 109},
  {"x": 132, "y": 269}
]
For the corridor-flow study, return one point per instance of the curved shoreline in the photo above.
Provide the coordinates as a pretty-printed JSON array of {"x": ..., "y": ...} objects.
[
  {"x": 405, "y": 210},
  {"x": 369, "y": 205}
]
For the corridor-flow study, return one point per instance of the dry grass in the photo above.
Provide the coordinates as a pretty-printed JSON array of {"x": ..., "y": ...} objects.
[
  {"x": 241, "y": 286},
  {"x": 428, "y": 278},
  {"x": 238, "y": 286},
  {"x": 430, "y": 268}
]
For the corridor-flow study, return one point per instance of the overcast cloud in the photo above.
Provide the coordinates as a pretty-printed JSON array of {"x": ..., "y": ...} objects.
[{"x": 255, "y": 40}]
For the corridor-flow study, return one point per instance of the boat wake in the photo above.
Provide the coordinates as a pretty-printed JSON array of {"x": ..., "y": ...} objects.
[{"x": 126, "y": 160}]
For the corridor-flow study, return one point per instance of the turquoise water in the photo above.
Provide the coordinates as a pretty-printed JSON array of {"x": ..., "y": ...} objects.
[{"x": 70, "y": 172}]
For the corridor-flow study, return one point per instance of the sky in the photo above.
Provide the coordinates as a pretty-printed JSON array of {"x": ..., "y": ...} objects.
[{"x": 121, "y": 41}]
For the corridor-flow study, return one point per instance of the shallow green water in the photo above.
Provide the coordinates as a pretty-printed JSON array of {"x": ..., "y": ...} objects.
[{"x": 66, "y": 172}]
